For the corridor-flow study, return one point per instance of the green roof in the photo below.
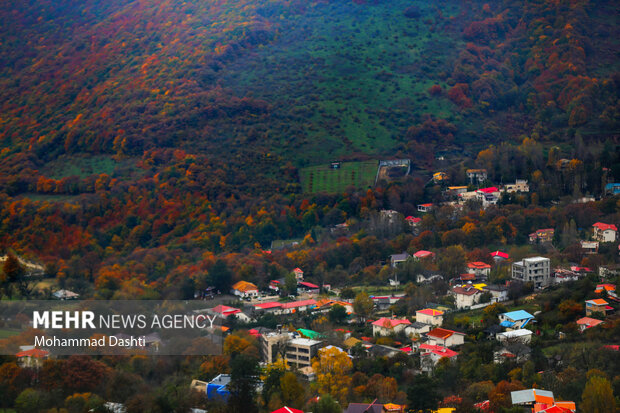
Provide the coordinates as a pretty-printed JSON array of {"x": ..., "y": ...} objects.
[{"x": 310, "y": 333}]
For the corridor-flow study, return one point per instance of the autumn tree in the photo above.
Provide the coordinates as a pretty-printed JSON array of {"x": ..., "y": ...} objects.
[
  {"x": 452, "y": 261},
  {"x": 332, "y": 368},
  {"x": 598, "y": 396},
  {"x": 363, "y": 305}
]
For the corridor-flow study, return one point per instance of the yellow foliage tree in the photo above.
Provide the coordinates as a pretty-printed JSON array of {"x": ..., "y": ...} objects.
[{"x": 332, "y": 368}]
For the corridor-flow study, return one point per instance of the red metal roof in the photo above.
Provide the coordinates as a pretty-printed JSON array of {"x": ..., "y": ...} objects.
[
  {"x": 266, "y": 306},
  {"x": 441, "y": 333},
  {"x": 35, "y": 352},
  {"x": 500, "y": 254},
  {"x": 604, "y": 227},
  {"x": 390, "y": 322},
  {"x": 430, "y": 311},
  {"x": 308, "y": 285}
]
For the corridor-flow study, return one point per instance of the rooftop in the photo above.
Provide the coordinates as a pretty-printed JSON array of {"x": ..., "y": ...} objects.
[
  {"x": 304, "y": 342},
  {"x": 442, "y": 333},
  {"x": 430, "y": 311},
  {"x": 518, "y": 315}
]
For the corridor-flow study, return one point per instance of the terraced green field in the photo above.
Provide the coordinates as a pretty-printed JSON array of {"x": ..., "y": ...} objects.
[{"x": 323, "y": 178}]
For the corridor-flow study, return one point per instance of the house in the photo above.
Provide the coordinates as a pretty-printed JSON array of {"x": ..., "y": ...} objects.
[
  {"x": 542, "y": 235},
  {"x": 488, "y": 196},
  {"x": 610, "y": 289},
  {"x": 273, "y": 307},
  {"x": 519, "y": 186},
  {"x": 466, "y": 296},
  {"x": 439, "y": 177},
  {"x": 597, "y": 306},
  {"x": 65, "y": 295},
  {"x": 413, "y": 222},
  {"x": 217, "y": 389},
  {"x": 245, "y": 289},
  {"x": 295, "y": 306},
  {"x": 612, "y": 189},
  {"x": 417, "y": 328},
  {"x": 536, "y": 270},
  {"x": 286, "y": 409},
  {"x": 518, "y": 352},
  {"x": 275, "y": 285},
  {"x": 301, "y": 351},
  {"x": 32, "y": 358},
  {"x": 425, "y": 207},
  {"x": 224, "y": 312},
  {"x": 396, "y": 259},
  {"x": 456, "y": 190},
  {"x": 515, "y": 319},
  {"x": 325, "y": 304},
  {"x": 589, "y": 247},
  {"x": 476, "y": 176},
  {"x": 299, "y": 274},
  {"x": 479, "y": 268},
  {"x": 198, "y": 385},
  {"x": 426, "y": 277},
  {"x": 604, "y": 232},
  {"x": 423, "y": 254},
  {"x": 515, "y": 336},
  {"x": 498, "y": 292},
  {"x": 304, "y": 286},
  {"x": 386, "y": 326},
  {"x": 431, "y": 354},
  {"x": 538, "y": 401},
  {"x": 499, "y": 256},
  {"x": 587, "y": 322},
  {"x": 365, "y": 408},
  {"x": 429, "y": 316},
  {"x": 444, "y": 337},
  {"x": 561, "y": 275}
]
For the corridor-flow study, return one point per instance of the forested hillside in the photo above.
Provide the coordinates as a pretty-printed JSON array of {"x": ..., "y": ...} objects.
[{"x": 173, "y": 128}]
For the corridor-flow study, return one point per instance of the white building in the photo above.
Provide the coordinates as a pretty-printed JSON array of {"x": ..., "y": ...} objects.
[
  {"x": 515, "y": 336},
  {"x": 535, "y": 269},
  {"x": 429, "y": 316},
  {"x": 520, "y": 185},
  {"x": 466, "y": 297},
  {"x": 604, "y": 232},
  {"x": 386, "y": 326},
  {"x": 446, "y": 338}
]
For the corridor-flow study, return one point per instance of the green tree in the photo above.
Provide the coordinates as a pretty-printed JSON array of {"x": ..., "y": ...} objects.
[
  {"x": 31, "y": 400},
  {"x": 290, "y": 283},
  {"x": 422, "y": 394},
  {"x": 452, "y": 261},
  {"x": 244, "y": 376},
  {"x": 337, "y": 314},
  {"x": 363, "y": 305},
  {"x": 326, "y": 404},
  {"x": 598, "y": 396},
  {"x": 220, "y": 276}
]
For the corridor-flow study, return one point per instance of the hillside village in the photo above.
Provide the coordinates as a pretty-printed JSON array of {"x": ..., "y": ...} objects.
[{"x": 434, "y": 312}]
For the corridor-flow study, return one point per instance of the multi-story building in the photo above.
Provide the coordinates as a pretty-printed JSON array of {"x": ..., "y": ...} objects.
[
  {"x": 274, "y": 344},
  {"x": 477, "y": 176},
  {"x": 300, "y": 351},
  {"x": 535, "y": 269}
]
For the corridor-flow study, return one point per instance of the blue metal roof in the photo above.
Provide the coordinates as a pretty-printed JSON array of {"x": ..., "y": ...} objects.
[
  {"x": 518, "y": 315},
  {"x": 507, "y": 323}
]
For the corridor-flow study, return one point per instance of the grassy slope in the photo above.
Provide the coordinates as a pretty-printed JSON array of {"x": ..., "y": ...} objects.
[{"x": 349, "y": 78}]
